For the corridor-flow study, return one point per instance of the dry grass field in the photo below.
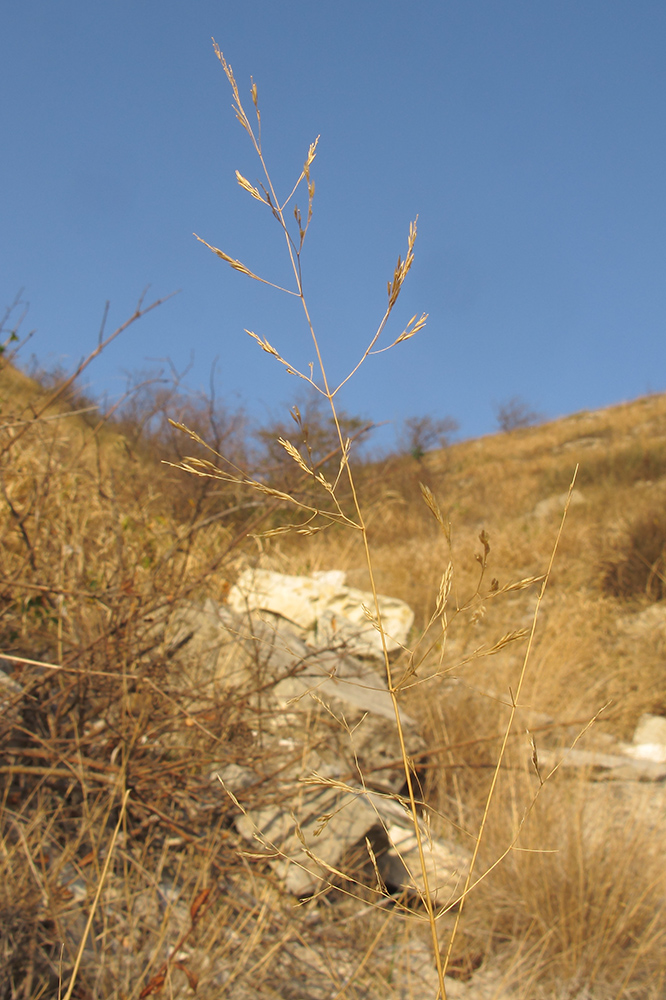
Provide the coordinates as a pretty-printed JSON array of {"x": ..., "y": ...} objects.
[{"x": 108, "y": 894}]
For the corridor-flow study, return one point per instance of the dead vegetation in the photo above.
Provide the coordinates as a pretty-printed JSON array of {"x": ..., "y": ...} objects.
[{"x": 96, "y": 546}]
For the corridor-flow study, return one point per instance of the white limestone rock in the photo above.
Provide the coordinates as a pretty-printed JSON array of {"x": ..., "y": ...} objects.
[
  {"x": 326, "y": 611},
  {"x": 327, "y": 725}
]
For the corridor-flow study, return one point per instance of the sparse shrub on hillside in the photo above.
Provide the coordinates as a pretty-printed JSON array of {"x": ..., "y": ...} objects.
[
  {"x": 422, "y": 434},
  {"x": 11, "y": 323},
  {"x": 515, "y": 413},
  {"x": 314, "y": 433},
  {"x": 155, "y": 399},
  {"x": 55, "y": 378},
  {"x": 153, "y": 405},
  {"x": 636, "y": 566}
]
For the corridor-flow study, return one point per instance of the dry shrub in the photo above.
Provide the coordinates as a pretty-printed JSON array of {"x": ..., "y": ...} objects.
[
  {"x": 25, "y": 965},
  {"x": 422, "y": 434},
  {"x": 314, "y": 433},
  {"x": 95, "y": 553},
  {"x": 516, "y": 414},
  {"x": 637, "y": 566}
]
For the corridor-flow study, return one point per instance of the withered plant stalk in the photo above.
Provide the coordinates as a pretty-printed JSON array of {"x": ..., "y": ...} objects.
[{"x": 330, "y": 510}]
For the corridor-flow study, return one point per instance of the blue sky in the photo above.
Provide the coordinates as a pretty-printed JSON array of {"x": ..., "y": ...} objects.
[{"x": 528, "y": 135}]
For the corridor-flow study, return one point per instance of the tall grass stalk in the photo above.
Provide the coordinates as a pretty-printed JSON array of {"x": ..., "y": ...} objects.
[
  {"x": 269, "y": 198},
  {"x": 98, "y": 893},
  {"x": 331, "y": 509}
]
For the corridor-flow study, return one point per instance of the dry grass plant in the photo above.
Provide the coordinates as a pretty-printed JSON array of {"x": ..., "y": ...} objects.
[
  {"x": 424, "y": 664},
  {"x": 579, "y": 909}
]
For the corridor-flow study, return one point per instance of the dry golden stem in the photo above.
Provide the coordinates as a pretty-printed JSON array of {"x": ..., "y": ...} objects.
[
  {"x": 394, "y": 288},
  {"x": 100, "y": 886}
]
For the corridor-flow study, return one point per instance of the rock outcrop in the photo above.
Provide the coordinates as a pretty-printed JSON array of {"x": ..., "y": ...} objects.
[
  {"x": 330, "y": 773},
  {"x": 324, "y": 610}
]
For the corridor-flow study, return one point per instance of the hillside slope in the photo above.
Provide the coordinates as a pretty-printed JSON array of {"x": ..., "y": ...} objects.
[{"x": 101, "y": 542}]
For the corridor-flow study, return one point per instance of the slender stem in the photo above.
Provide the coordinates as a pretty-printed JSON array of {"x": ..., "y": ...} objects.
[
  {"x": 93, "y": 908},
  {"x": 393, "y": 690},
  {"x": 394, "y": 290}
]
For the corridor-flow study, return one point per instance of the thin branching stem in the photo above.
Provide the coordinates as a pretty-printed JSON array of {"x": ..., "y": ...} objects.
[{"x": 277, "y": 208}]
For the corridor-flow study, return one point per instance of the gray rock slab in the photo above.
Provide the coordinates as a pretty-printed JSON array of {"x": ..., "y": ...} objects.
[
  {"x": 329, "y": 772},
  {"x": 325, "y": 610},
  {"x": 307, "y": 837},
  {"x": 446, "y": 864},
  {"x": 615, "y": 766},
  {"x": 310, "y": 836},
  {"x": 217, "y": 648}
]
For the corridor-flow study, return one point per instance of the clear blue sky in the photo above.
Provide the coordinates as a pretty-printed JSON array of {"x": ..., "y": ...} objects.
[{"x": 529, "y": 136}]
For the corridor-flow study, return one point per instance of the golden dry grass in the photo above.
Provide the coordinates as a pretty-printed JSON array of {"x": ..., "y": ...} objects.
[
  {"x": 587, "y": 916},
  {"x": 90, "y": 558}
]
